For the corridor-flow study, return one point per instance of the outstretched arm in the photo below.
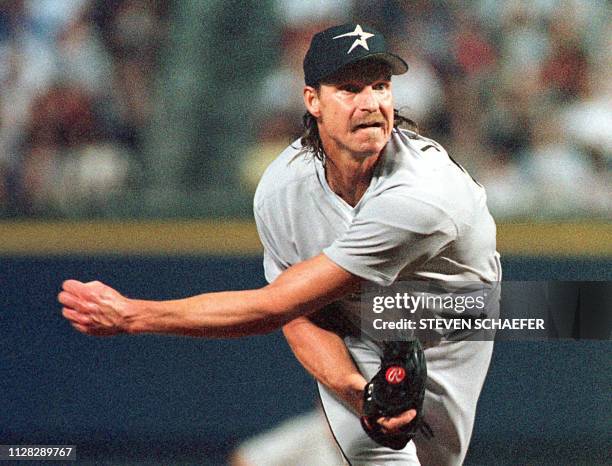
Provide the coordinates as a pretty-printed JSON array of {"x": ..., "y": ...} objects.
[{"x": 96, "y": 309}]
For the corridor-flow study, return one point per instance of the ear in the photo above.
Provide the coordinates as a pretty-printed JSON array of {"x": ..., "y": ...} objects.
[{"x": 311, "y": 101}]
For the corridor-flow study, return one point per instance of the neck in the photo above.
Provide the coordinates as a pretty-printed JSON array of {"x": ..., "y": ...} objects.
[{"x": 349, "y": 176}]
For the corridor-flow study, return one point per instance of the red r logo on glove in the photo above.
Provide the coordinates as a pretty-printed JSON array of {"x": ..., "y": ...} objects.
[{"x": 395, "y": 374}]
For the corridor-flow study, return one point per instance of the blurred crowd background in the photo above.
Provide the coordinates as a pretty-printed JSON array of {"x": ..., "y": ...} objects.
[{"x": 152, "y": 108}]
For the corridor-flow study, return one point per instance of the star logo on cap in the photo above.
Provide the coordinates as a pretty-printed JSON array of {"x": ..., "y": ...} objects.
[{"x": 361, "y": 40}]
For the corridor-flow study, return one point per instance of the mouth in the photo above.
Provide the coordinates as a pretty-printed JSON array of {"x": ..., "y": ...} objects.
[{"x": 367, "y": 125}]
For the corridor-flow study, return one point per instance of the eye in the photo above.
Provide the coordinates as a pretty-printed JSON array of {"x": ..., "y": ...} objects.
[
  {"x": 381, "y": 86},
  {"x": 351, "y": 88}
]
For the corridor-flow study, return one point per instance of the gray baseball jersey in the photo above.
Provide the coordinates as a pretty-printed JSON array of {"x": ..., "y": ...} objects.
[{"x": 422, "y": 217}]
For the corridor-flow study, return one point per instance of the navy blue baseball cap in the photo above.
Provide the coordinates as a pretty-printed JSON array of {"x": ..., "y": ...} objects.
[{"x": 339, "y": 46}]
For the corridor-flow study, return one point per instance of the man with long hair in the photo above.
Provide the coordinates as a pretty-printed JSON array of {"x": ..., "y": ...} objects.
[{"x": 356, "y": 200}]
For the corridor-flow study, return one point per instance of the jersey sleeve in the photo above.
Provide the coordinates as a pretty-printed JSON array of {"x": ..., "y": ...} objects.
[
  {"x": 273, "y": 265},
  {"x": 390, "y": 233}
]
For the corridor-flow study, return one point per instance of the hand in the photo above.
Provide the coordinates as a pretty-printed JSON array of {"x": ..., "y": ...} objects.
[
  {"x": 94, "y": 308},
  {"x": 394, "y": 424},
  {"x": 353, "y": 395}
]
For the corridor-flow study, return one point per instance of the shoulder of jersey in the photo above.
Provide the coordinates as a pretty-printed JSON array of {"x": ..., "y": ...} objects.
[
  {"x": 292, "y": 164},
  {"x": 419, "y": 142}
]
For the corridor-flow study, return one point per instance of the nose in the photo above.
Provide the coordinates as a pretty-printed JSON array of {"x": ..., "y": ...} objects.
[{"x": 366, "y": 100}]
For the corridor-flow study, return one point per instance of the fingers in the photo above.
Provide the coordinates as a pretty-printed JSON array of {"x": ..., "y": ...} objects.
[
  {"x": 74, "y": 286},
  {"x": 87, "y": 330},
  {"x": 76, "y": 307},
  {"x": 80, "y": 328},
  {"x": 81, "y": 289},
  {"x": 69, "y": 300},
  {"x": 76, "y": 317},
  {"x": 90, "y": 307},
  {"x": 93, "y": 331},
  {"x": 76, "y": 303},
  {"x": 392, "y": 424},
  {"x": 82, "y": 297},
  {"x": 85, "y": 324},
  {"x": 77, "y": 320}
]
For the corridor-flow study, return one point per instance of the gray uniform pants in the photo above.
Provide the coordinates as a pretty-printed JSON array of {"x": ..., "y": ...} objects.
[{"x": 456, "y": 374}]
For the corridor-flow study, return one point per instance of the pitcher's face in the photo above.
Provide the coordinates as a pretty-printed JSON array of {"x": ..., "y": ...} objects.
[{"x": 354, "y": 108}]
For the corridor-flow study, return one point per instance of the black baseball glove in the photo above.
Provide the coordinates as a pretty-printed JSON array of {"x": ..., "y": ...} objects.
[{"x": 398, "y": 386}]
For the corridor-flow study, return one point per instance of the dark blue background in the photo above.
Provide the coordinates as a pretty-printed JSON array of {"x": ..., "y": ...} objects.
[{"x": 164, "y": 399}]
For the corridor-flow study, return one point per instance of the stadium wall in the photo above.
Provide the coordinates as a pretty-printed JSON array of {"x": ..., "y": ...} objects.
[{"x": 155, "y": 397}]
